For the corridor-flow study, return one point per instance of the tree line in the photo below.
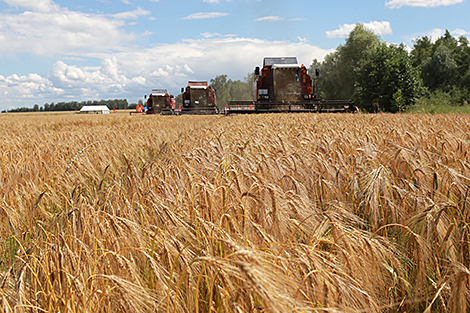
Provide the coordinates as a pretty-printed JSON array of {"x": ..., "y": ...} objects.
[
  {"x": 75, "y": 106},
  {"x": 368, "y": 70}
]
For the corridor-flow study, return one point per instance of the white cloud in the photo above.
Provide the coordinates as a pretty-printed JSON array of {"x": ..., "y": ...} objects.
[
  {"x": 342, "y": 32},
  {"x": 44, "y": 6},
  {"x": 210, "y": 35},
  {"x": 208, "y": 57},
  {"x": 213, "y": 35},
  {"x": 379, "y": 28},
  {"x": 459, "y": 32},
  {"x": 126, "y": 70},
  {"x": 270, "y": 18},
  {"x": 188, "y": 69},
  {"x": 131, "y": 14},
  {"x": 130, "y": 74},
  {"x": 204, "y": 15},
  {"x": 436, "y": 33},
  {"x": 273, "y": 18},
  {"x": 20, "y": 88},
  {"x": 211, "y": 1},
  {"x": 396, "y": 4},
  {"x": 63, "y": 32}
]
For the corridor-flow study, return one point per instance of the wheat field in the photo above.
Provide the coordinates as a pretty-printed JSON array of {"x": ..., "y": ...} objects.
[{"x": 257, "y": 213}]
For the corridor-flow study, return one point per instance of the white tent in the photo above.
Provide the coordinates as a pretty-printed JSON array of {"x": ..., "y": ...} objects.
[{"x": 95, "y": 109}]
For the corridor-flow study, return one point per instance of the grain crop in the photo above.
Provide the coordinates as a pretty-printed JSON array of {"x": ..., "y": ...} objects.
[{"x": 257, "y": 213}]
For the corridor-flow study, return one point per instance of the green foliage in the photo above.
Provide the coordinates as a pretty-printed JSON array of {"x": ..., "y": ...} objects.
[
  {"x": 227, "y": 90},
  {"x": 221, "y": 86},
  {"x": 422, "y": 51},
  {"x": 388, "y": 77},
  {"x": 339, "y": 67},
  {"x": 369, "y": 70},
  {"x": 440, "y": 71},
  {"x": 318, "y": 81},
  {"x": 398, "y": 100},
  {"x": 179, "y": 100},
  {"x": 445, "y": 66},
  {"x": 439, "y": 101}
]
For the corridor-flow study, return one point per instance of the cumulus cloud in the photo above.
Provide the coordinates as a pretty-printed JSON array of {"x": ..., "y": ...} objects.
[
  {"x": 205, "y": 58},
  {"x": 130, "y": 74},
  {"x": 396, "y": 4},
  {"x": 73, "y": 37},
  {"x": 205, "y": 15},
  {"x": 17, "y": 89},
  {"x": 459, "y": 32},
  {"x": 44, "y": 6},
  {"x": 379, "y": 28},
  {"x": 436, "y": 33},
  {"x": 63, "y": 32}
]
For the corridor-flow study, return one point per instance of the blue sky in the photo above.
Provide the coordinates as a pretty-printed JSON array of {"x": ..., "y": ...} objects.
[{"x": 52, "y": 51}]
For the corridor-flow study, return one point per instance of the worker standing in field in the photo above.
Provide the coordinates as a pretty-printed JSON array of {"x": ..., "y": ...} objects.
[{"x": 376, "y": 107}]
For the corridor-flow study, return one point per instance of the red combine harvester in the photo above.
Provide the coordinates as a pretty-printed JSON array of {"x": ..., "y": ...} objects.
[
  {"x": 160, "y": 101},
  {"x": 198, "y": 98},
  {"x": 283, "y": 85}
]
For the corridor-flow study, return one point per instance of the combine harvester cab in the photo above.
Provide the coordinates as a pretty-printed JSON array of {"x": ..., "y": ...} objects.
[
  {"x": 283, "y": 85},
  {"x": 198, "y": 98},
  {"x": 160, "y": 102}
]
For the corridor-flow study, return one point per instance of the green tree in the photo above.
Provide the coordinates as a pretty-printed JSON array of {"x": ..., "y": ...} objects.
[
  {"x": 239, "y": 90},
  {"x": 463, "y": 56},
  {"x": 221, "y": 86},
  {"x": 389, "y": 78},
  {"x": 445, "y": 67},
  {"x": 179, "y": 100},
  {"x": 440, "y": 71},
  {"x": 338, "y": 69},
  {"x": 318, "y": 82},
  {"x": 227, "y": 90},
  {"x": 422, "y": 51}
]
